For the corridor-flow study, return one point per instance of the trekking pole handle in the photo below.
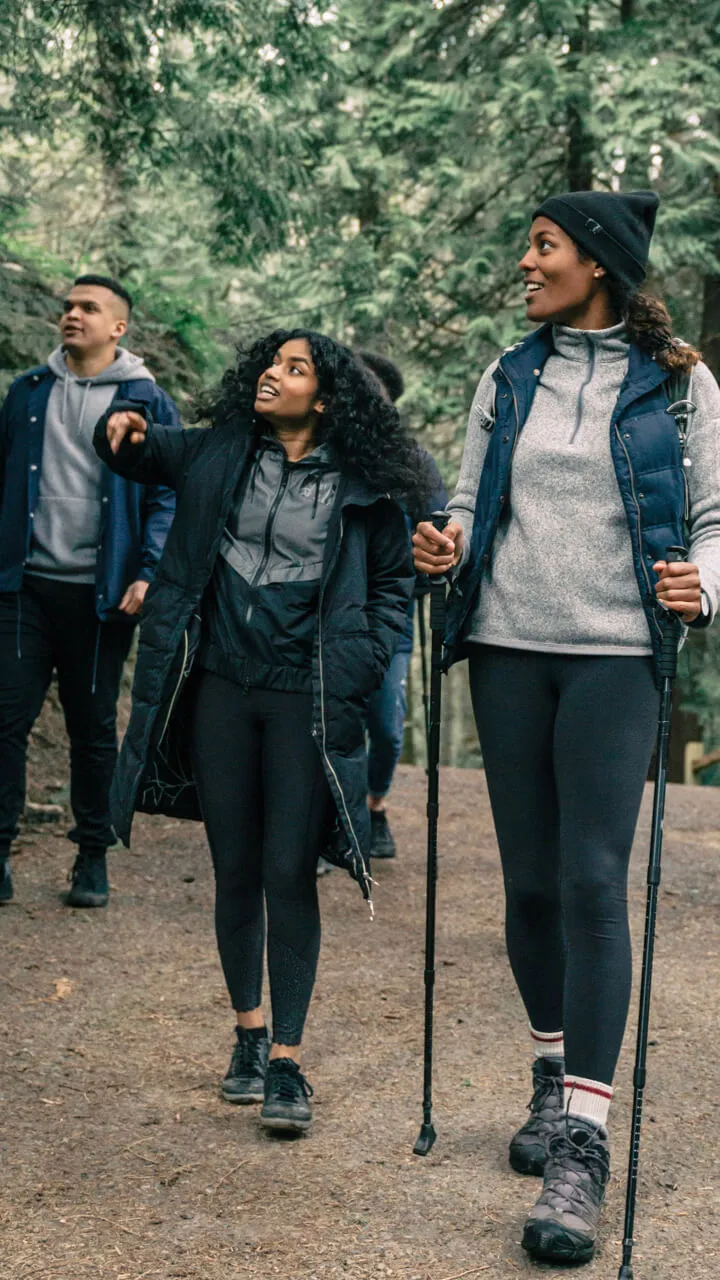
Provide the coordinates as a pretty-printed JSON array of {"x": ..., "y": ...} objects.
[
  {"x": 669, "y": 647},
  {"x": 438, "y": 519}
]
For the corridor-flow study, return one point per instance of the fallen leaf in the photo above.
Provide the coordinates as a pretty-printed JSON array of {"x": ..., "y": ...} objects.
[{"x": 63, "y": 988}]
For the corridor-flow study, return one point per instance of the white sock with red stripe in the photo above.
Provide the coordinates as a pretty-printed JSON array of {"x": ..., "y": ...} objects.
[
  {"x": 547, "y": 1044},
  {"x": 589, "y": 1099}
]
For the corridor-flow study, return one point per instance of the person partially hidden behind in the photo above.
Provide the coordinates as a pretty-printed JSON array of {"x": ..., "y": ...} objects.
[
  {"x": 387, "y": 708},
  {"x": 78, "y": 548}
]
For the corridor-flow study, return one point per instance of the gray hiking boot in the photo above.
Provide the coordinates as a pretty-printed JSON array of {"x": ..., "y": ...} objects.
[
  {"x": 286, "y": 1104},
  {"x": 528, "y": 1149},
  {"x": 245, "y": 1079},
  {"x": 562, "y": 1226}
]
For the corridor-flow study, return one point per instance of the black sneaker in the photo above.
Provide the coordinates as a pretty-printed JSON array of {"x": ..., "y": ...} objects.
[
  {"x": 6, "y": 884},
  {"x": 286, "y": 1104},
  {"x": 529, "y": 1147},
  {"x": 89, "y": 880},
  {"x": 562, "y": 1226},
  {"x": 383, "y": 845},
  {"x": 245, "y": 1079}
]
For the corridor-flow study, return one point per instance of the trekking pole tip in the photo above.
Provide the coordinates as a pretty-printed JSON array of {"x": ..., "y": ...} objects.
[{"x": 425, "y": 1141}]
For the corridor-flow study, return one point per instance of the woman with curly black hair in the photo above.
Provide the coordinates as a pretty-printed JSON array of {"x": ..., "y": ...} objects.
[
  {"x": 576, "y": 479},
  {"x": 274, "y": 614}
]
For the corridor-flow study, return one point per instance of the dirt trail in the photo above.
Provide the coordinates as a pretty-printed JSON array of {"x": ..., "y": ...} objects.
[{"x": 120, "y": 1161}]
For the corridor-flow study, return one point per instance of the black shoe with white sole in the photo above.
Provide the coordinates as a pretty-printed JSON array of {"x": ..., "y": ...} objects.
[
  {"x": 245, "y": 1079},
  {"x": 287, "y": 1093}
]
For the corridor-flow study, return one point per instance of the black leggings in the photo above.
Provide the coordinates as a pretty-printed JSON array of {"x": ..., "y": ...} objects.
[
  {"x": 265, "y": 801},
  {"x": 566, "y": 743}
]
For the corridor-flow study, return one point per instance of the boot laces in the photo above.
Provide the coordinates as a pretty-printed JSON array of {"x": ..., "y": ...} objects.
[
  {"x": 566, "y": 1158},
  {"x": 544, "y": 1090},
  {"x": 288, "y": 1081},
  {"x": 246, "y": 1054}
]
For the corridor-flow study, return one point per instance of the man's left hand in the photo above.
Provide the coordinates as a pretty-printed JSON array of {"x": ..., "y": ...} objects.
[
  {"x": 678, "y": 588},
  {"x": 132, "y": 601}
]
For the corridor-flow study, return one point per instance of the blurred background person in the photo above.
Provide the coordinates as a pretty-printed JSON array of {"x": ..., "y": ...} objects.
[
  {"x": 78, "y": 549},
  {"x": 387, "y": 708}
]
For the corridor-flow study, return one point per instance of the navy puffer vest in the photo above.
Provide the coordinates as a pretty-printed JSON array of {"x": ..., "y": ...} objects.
[{"x": 646, "y": 452}]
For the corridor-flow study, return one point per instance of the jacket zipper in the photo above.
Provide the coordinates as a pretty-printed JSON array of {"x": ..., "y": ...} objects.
[
  {"x": 176, "y": 691},
  {"x": 268, "y": 534},
  {"x": 639, "y": 518},
  {"x": 325, "y": 755},
  {"x": 682, "y": 437},
  {"x": 581, "y": 397}
]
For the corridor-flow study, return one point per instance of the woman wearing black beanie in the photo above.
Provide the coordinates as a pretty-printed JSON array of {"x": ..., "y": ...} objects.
[{"x": 574, "y": 483}]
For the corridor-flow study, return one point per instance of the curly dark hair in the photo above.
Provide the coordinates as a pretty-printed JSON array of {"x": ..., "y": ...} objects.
[
  {"x": 362, "y": 429},
  {"x": 648, "y": 323}
]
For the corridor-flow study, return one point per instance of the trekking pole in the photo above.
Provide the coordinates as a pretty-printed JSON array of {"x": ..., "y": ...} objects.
[
  {"x": 423, "y": 666},
  {"x": 668, "y": 670},
  {"x": 427, "y": 1134}
]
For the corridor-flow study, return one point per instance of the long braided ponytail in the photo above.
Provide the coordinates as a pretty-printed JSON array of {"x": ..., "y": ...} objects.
[{"x": 649, "y": 327}]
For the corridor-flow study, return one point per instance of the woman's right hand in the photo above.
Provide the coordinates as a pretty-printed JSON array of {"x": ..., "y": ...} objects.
[
  {"x": 125, "y": 423},
  {"x": 435, "y": 552}
]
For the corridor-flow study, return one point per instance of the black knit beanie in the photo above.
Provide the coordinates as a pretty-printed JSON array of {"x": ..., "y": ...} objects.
[{"x": 614, "y": 229}]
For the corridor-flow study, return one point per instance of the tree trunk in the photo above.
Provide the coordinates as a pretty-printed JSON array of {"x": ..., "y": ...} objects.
[
  {"x": 580, "y": 141},
  {"x": 710, "y": 333}
]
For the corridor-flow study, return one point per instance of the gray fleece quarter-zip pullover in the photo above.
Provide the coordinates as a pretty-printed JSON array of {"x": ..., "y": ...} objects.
[
  {"x": 68, "y": 515},
  {"x": 561, "y": 579}
]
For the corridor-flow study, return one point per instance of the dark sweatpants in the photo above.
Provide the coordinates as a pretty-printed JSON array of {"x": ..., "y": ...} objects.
[
  {"x": 265, "y": 801},
  {"x": 566, "y": 743},
  {"x": 52, "y": 626}
]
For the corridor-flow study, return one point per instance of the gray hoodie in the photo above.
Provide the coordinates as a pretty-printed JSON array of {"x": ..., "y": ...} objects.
[{"x": 68, "y": 516}]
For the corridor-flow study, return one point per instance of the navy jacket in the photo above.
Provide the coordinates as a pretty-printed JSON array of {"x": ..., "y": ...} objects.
[
  {"x": 136, "y": 518},
  {"x": 367, "y": 581},
  {"x": 646, "y": 452}
]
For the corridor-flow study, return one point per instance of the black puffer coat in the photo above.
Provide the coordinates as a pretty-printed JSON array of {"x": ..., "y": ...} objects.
[{"x": 366, "y": 585}]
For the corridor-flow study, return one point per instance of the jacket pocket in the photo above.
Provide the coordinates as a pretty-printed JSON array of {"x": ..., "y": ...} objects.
[{"x": 365, "y": 671}]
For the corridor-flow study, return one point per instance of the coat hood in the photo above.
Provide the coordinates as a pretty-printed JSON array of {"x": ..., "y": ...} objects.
[{"x": 126, "y": 367}]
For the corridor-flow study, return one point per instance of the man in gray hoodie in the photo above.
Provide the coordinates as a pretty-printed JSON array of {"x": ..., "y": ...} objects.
[{"x": 78, "y": 548}]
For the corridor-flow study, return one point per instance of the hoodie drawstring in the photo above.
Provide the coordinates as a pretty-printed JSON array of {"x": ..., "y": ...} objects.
[
  {"x": 83, "y": 406},
  {"x": 87, "y": 387}
]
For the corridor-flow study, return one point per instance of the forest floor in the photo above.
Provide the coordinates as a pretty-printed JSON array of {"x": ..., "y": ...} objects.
[{"x": 120, "y": 1161}]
